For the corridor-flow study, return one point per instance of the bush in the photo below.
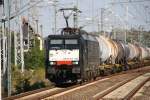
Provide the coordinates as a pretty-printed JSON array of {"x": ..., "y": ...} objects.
[
  {"x": 23, "y": 86},
  {"x": 34, "y": 58},
  {"x": 38, "y": 85},
  {"x": 28, "y": 81}
]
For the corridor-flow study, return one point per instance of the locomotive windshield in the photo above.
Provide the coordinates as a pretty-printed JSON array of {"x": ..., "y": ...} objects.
[
  {"x": 64, "y": 44},
  {"x": 64, "y": 50}
]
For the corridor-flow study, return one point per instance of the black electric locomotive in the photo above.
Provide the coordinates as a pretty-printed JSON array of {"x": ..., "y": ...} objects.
[{"x": 71, "y": 56}]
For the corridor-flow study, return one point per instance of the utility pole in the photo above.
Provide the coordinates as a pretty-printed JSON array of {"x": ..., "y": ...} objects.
[
  {"x": 113, "y": 18},
  {"x": 4, "y": 41},
  {"x": 75, "y": 18},
  {"x": 37, "y": 26},
  {"x": 28, "y": 38},
  {"x": 127, "y": 11},
  {"x": 41, "y": 26},
  {"x": 0, "y": 65},
  {"x": 140, "y": 34},
  {"x": 18, "y": 38},
  {"x": 55, "y": 16},
  {"x": 76, "y": 14},
  {"x": 9, "y": 49},
  {"x": 15, "y": 35},
  {"x": 4, "y": 53},
  {"x": 21, "y": 46},
  {"x": 92, "y": 15},
  {"x": 1, "y": 52},
  {"x": 102, "y": 19},
  {"x": 146, "y": 14},
  {"x": 15, "y": 47},
  {"x": 98, "y": 25}
]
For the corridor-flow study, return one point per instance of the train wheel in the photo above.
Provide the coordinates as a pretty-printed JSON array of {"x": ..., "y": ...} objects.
[
  {"x": 99, "y": 72},
  {"x": 81, "y": 82},
  {"x": 120, "y": 68},
  {"x": 114, "y": 70},
  {"x": 102, "y": 72},
  {"x": 94, "y": 75},
  {"x": 94, "y": 78},
  {"x": 88, "y": 75}
]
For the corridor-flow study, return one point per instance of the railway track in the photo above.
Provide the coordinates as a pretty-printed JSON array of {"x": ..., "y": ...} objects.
[
  {"x": 143, "y": 93},
  {"x": 29, "y": 94},
  {"x": 123, "y": 90},
  {"x": 102, "y": 88},
  {"x": 39, "y": 94},
  {"x": 89, "y": 90}
]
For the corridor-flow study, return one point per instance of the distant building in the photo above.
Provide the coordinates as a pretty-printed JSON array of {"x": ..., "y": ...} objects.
[{"x": 29, "y": 36}]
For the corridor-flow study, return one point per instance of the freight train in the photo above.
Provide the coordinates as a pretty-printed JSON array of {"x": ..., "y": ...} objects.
[{"x": 75, "y": 55}]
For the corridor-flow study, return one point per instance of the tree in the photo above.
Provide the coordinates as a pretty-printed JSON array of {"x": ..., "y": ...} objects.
[{"x": 34, "y": 57}]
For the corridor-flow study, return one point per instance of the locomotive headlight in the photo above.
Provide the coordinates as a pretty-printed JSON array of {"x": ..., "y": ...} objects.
[
  {"x": 52, "y": 63},
  {"x": 75, "y": 62}
]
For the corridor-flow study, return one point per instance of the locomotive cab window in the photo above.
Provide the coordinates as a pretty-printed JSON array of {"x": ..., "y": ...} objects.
[
  {"x": 56, "y": 41},
  {"x": 56, "y": 44},
  {"x": 71, "y": 44},
  {"x": 73, "y": 41}
]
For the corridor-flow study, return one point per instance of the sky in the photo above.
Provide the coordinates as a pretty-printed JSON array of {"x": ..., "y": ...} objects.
[
  {"x": 91, "y": 9},
  {"x": 115, "y": 15},
  {"x": 84, "y": 6}
]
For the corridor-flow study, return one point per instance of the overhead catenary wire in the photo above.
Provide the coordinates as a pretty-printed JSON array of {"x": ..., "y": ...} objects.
[
  {"x": 13, "y": 15},
  {"x": 132, "y": 1}
]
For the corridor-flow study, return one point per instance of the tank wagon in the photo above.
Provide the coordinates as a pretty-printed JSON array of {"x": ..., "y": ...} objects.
[
  {"x": 144, "y": 53},
  {"x": 134, "y": 52},
  {"x": 75, "y": 55}
]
